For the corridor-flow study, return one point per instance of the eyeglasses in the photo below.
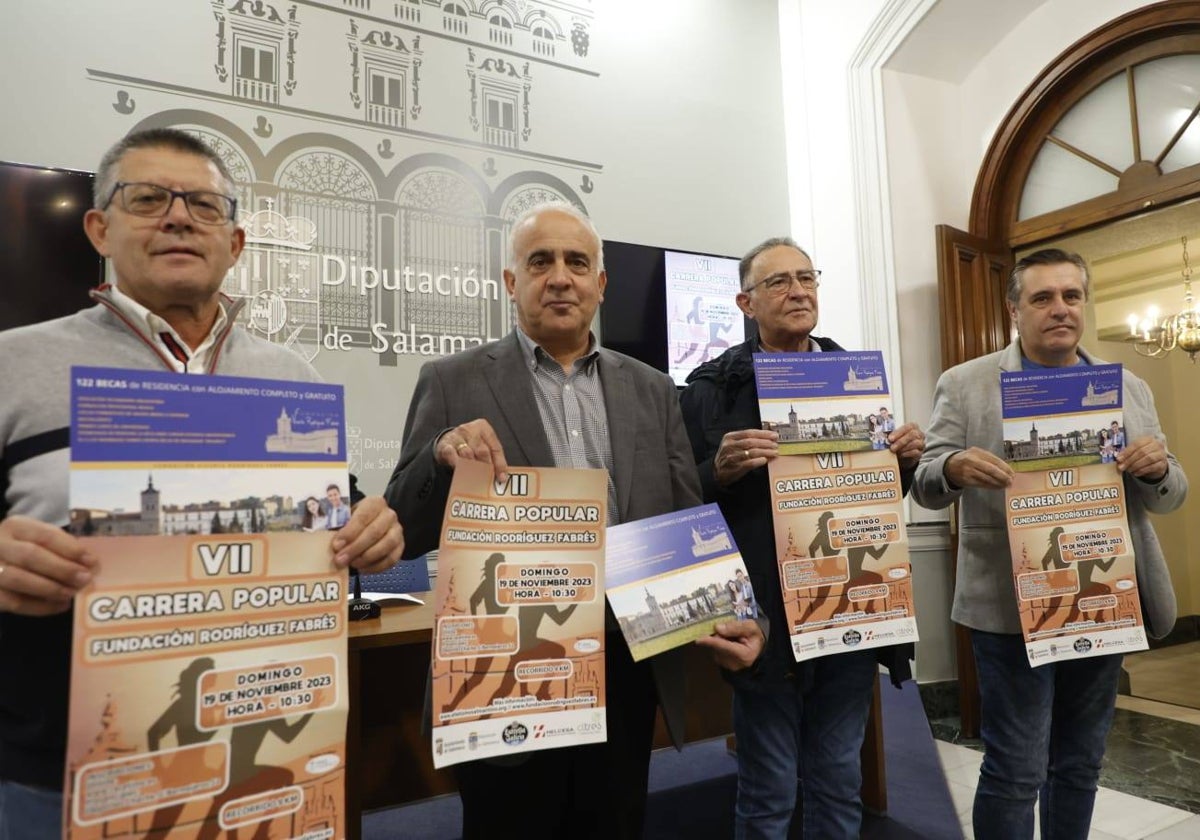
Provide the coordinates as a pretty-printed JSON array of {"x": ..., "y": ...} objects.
[
  {"x": 153, "y": 201},
  {"x": 781, "y": 284}
]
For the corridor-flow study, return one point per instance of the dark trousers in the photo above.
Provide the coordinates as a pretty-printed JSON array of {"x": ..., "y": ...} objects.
[
  {"x": 1043, "y": 731},
  {"x": 592, "y": 791}
]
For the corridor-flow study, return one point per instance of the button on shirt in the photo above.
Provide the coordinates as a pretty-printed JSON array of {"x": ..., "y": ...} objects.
[
  {"x": 164, "y": 335},
  {"x": 571, "y": 405}
]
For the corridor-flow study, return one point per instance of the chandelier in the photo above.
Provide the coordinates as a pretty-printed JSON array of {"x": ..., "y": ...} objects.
[{"x": 1155, "y": 337}]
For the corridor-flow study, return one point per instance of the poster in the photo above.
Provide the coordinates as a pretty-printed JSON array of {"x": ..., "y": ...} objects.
[
  {"x": 1073, "y": 563},
  {"x": 208, "y": 678},
  {"x": 672, "y": 578},
  {"x": 704, "y": 317},
  {"x": 837, "y": 502},
  {"x": 518, "y": 641}
]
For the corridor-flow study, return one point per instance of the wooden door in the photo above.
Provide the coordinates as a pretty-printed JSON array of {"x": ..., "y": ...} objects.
[{"x": 972, "y": 274}]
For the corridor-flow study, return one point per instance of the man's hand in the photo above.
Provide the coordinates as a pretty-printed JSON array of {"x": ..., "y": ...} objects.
[
  {"x": 741, "y": 452},
  {"x": 474, "y": 441},
  {"x": 372, "y": 540},
  {"x": 1144, "y": 458},
  {"x": 908, "y": 443},
  {"x": 735, "y": 645},
  {"x": 977, "y": 467},
  {"x": 41, "y": 567}
]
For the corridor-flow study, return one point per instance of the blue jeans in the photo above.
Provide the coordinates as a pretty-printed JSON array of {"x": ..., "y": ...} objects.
[
  {"x": 784, "y": 732},
  {"x": 1043, "y": 730},
  {"x": 29, "y": 813}
]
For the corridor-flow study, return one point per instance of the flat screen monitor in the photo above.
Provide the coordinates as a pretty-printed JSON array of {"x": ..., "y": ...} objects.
[
  {"x": 673, "y": 310},
  {"x": 47, "y": 264}
]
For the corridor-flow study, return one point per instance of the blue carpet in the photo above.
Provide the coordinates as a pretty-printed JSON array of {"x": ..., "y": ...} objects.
[{"x": 692, "y": 792}]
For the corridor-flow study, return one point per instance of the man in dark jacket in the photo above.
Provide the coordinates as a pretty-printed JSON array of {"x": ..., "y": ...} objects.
[{"x": 791, "y": 719}]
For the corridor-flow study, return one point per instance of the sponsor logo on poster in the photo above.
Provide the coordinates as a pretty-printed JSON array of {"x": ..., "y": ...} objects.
[
  {"x": 515, "y": 733},
  {"x": 851, "y": 638}
]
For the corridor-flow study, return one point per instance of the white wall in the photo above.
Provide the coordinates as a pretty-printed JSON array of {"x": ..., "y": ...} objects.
[
  {"x": 669, "y": 131},
  {"x": 820, "y": 37}
]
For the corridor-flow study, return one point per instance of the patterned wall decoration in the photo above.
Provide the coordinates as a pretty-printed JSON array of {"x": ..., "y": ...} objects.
[{"x": 376, "y": 181}]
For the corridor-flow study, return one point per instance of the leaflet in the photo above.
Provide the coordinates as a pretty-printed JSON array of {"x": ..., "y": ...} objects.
[
  {"x": 208, "y": 675},
  {"x": 1073, "y": 562},
  {"x": 672, "y": 578},
  {"x": 518, "y": 641},
  {"x": 840, "y": 539}
]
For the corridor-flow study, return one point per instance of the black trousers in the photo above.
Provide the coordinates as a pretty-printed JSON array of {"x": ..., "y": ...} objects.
[{"x": 592, "y": 791}]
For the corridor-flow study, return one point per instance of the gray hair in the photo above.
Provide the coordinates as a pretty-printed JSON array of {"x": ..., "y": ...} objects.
[
  {"x": 766, "y": 245},
  {"x": 559, "y": 207},
  {"x": 152, "y": 138},
  {"x": 1047, "y": 256}
]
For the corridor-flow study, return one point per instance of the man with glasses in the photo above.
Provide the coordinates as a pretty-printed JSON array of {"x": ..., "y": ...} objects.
[
  {"x": 164, "y": 216},
  {"x": 791, "y": 719}
]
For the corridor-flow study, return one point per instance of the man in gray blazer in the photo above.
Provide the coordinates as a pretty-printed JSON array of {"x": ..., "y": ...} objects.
[
  {"x": 548, "y": 395},
  {"x": 1043, "y": 728}
]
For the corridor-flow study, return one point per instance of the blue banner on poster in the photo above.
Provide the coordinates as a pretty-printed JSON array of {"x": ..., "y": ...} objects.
[
  {"x": 665, "y": 543},
  {"x": 1076, "y": 390},
  {"x": 784, "y": 376},
  {"x": 133, "y": 415}
]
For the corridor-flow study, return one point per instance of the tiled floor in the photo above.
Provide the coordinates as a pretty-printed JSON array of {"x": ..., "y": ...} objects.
[{"x": 1118, "y": 816}]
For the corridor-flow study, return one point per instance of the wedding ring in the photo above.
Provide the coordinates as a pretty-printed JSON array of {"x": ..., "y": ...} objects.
[
  {"x": 461, "y": 446},
  {"x": 745, "y": 453}
]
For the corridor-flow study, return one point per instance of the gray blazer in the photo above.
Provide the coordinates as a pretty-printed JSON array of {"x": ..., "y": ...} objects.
[
  {"x": 653, "y": 469},
  {"x": 967, "y": 412}
]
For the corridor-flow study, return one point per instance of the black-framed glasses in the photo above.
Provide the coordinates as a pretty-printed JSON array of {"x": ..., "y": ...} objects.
[
  {"x": 781, "y": 283},
  {"x": 153, "y": 201}
]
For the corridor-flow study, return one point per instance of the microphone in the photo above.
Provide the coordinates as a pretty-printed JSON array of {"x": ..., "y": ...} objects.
[{"x": 360, "y": 607}]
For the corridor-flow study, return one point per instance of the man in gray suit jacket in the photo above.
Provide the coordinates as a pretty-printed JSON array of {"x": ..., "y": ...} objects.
[
  {"x": 1043, "y": 728},
  {"x": 547, "y": 395}
]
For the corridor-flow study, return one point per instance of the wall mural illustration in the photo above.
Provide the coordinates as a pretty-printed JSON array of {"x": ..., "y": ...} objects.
[{"x": 381, "y": 151}]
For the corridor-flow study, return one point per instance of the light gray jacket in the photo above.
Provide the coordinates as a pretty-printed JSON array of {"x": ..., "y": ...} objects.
[{"x": 967, "y": 412}]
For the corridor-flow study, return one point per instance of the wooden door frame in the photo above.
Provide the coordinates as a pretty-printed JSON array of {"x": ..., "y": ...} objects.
[{"x": 1153, "y": 31}]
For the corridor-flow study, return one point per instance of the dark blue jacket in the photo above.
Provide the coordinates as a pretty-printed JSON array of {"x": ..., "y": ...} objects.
[{"x": 721, "y": 397}]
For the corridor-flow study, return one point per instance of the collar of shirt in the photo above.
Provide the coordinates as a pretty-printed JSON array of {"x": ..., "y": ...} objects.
[
  {"x": 197, "y": 359},
  {"x": 530, "y": 350},
  {"x": 813, "y": 347},
  {"x": 1029, "y": 364}
]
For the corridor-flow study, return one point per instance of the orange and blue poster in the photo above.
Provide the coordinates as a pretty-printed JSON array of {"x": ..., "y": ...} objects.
[
  {"x": 1073, "y": 564},
  {"x": 208, "y": 673},
  {"x": 836, "y": 498},
  {"x": 518, "y": 642}
]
